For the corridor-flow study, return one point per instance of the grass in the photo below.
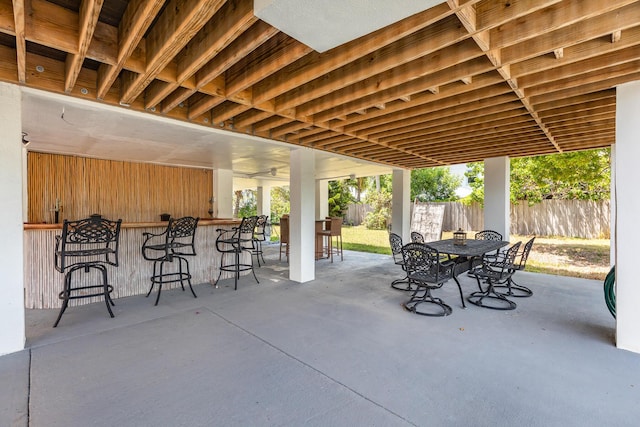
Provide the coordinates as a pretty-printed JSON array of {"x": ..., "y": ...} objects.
[{"x": 563, "y": 256}]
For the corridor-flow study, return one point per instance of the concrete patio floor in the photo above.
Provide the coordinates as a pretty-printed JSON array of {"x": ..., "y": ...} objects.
[{"x": 338, "y": 351}]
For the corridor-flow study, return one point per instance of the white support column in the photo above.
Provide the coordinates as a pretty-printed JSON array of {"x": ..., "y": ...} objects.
[
  {"x": 12, "y": 326},
  {"x": 223, "y": 193},
  {"x": 322, "y": 198},
  {"x": 627, "y": 208},
  {"x": 264, "y": 200},
  {"x": 401, "y": 204},
  {"x": 497, "y": 207},
  {"x": 612, "y": 210},
  {"x": 302, "y": 217}
]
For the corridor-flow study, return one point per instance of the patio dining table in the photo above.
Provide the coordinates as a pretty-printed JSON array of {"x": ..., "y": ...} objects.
[{"x": 467, "y": 253}]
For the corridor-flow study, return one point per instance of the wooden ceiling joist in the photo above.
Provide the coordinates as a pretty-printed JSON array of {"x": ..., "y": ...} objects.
[{"x": 454, "y": 83}]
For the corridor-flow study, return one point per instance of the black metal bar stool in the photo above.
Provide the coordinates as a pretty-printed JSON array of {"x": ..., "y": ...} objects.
[
  {"x": 234, "y": 242},
  {"x": 259, "y": 236},
  {"x": 175, "y": 243},
  {"x": 86, "y": 244}
]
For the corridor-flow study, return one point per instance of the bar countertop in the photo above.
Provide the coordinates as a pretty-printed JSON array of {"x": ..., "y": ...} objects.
[{"x": 202, "y": 222}]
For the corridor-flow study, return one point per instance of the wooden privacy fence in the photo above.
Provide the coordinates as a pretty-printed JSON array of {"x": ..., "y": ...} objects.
[{"x": 570, "y": 218}]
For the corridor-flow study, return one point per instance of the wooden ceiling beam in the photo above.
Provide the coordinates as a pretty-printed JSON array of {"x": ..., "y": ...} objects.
[
  {"x": 463, "y": 113},
  {"x": 426, "y": 104},
  {"x": 555, "y": 18},
  {"x": 578, "y": 110},
  {"x": 575, "y": 70},
  {"x": 422, "y": 43},
  {"x": 226, "y": 111},
  {"x": 89, "y": 13},
  {"x": 575, "y": 53},
  {"x": 288, "y": 128},
  {"x": 265, "y": 61},
  {"x": 248, "y": 118},
  {"x": 453, "y": 59},
  {"x": 229, "y": 22},
  {"x": 580, "y": 99},
  {"x": 475, "y": 66},
  {"x": 316, "y": 64},
  {"x": 137, "y": 18},
  {"x": 174, "y": 28},
  {"x": 594, "y": 114},
  {"x": 245, "y": 44},
  {"x": 579, "y": 32},
  {"x": 577, "y": 82},
  {"x": 460, "y": 126},
  {"x": 21, "y": 41},
  {"x": 273, "y": 122}
]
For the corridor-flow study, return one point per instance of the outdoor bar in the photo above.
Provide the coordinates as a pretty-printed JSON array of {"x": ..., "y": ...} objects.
[{"x": 70, "y": 187}]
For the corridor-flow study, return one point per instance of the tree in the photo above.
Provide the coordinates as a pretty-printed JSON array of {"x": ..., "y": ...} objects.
[
  {"x": 434, "y": 185},
  {"x": 280, "y": 203},
  {"x": 380, "y": 201},
  {"x": 246, "y": 203},
  {"x": 339, "y": 197},
  {"x": 581, "y": 175}
]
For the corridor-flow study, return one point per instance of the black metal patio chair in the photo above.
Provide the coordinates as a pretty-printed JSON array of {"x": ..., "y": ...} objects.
[
  {"x": 259, "y": 236},
  {"x": 395, "y": 241},
  {"x": 235, "y": 242},
  {"x": 87, "y": 244},
  {"x": 174, "y": 244},
  {"x": 494, "y": 271},
  {"x": 513, "y": 289},
  {"x": 427, "y": 271}
]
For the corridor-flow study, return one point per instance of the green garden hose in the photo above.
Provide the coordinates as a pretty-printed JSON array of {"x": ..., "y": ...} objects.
[{"x": 610, "y": 291}]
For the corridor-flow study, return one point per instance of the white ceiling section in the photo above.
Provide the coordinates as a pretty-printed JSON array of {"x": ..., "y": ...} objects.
[
  {"x": 65, "y": 125},
  {"x": 325, "y": 24}
]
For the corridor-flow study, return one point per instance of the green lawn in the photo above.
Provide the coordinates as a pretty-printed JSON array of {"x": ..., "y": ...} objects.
[{"x": 588, "y": 258}]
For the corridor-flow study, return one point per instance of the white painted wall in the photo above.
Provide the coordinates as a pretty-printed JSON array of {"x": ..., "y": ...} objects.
[
  {"x": 497, "y": 182},
  {"x": 223, "y": 193},
  {"x": 302, "y": 216},
  {"x": 627, "y": 211},
  {"x": 401, "y": 204},
  {"x": 12, "y": 326}
]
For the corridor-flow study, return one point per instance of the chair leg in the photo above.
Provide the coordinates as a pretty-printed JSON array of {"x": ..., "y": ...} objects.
[
  {"x": 253, "y": 270},
  {"x": 155, "y": 263},
  {"x": 478, "y": 298},
  {"x": 160, "y": 283},
  {"x": 331, "y": 247},
  {"x": 426, "y": 298},
  {"x": 261, "y": 252},
  {"x": 236, "y": 275},
  {"x": 186, "y": 263},
  {"x": 511, "y": 286},
  {"x": 105, "y": 285},
  {"x": 65, "y": 294}
]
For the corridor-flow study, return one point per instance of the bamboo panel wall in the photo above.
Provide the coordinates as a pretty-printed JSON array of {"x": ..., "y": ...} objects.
[
  {"x": 133, "y": 192},
  {"x": 43, "y": 283}
]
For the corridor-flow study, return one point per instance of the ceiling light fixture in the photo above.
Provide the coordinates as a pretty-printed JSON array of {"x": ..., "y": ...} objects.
[
  {"x": 272, "y": 172},
  {"x": 333, "y": 178}
]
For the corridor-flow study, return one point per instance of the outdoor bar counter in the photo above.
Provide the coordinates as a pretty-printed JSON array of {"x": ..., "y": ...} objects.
[{"x": 132, "y": 277}]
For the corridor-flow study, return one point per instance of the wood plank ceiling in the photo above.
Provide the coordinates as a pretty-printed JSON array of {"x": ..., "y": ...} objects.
[{"x": 460, "y": 82}]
